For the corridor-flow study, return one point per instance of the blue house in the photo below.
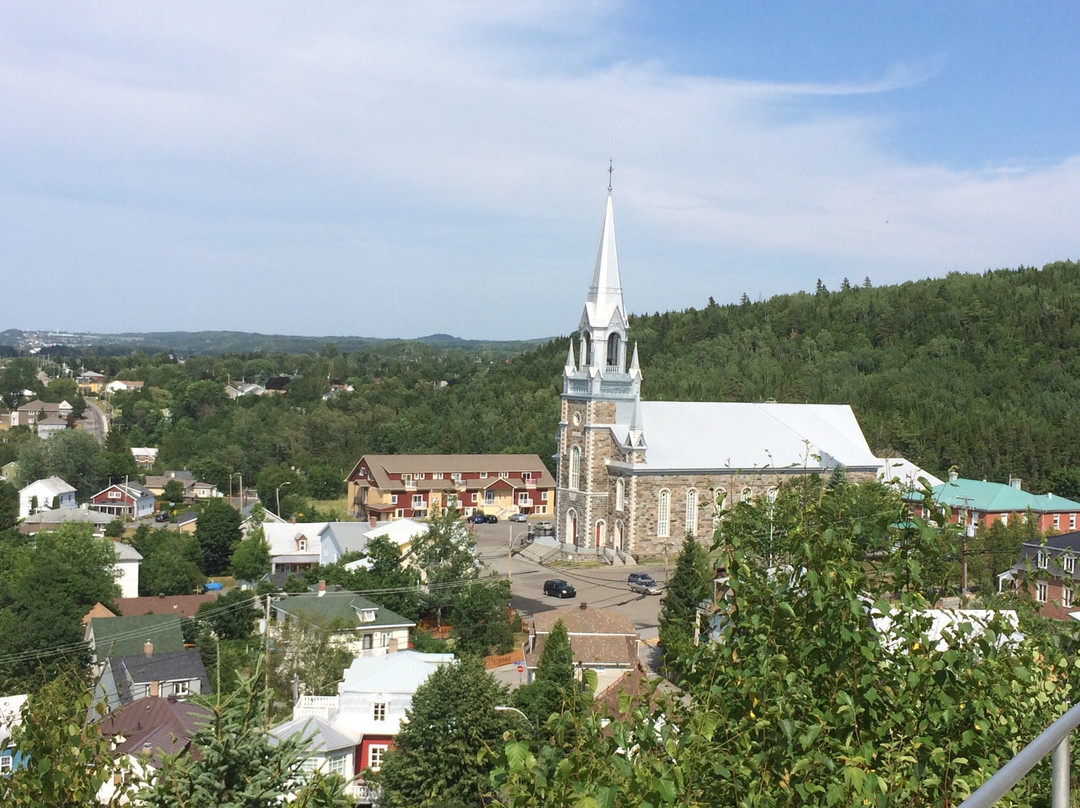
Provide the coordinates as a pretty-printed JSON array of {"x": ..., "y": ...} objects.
[{"x": 10, "y": 718}]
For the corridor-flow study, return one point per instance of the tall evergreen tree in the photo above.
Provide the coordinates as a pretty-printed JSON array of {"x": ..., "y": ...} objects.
[
  {"x": 552, "y": 688},
  {"x": 689, "y": 586}
]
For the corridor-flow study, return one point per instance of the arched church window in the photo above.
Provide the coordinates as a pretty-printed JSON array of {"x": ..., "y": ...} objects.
[
  {"x": 691, "y": 512},
  {"x": 747, "y": 494},
  {"x": 620, "y": 493},
  {"x": 571, "y": 527},
  {"x": 663, "y": 514},
  {"x": 613, "y": 351},
  {"x": 601, "y": 533},
  {"x": 575, "y": 467},
  {"x": 586, "y": 350}
]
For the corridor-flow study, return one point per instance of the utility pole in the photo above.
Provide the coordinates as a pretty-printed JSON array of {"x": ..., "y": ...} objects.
[
  {"x": 510, "y": 554},
  {"x": 266, "y": 659},
  {"x": 969, "y": 532}
]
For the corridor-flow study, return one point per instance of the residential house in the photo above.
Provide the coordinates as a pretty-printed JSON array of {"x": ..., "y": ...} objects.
[
  {"x": 155, "y": 483},
  {"x": 51, "y": 520},
  {"x": 90, "y": 382},
  {"x": 142, "y": 734},
  {"x": 180, "y": 605},
  {"x": 368, "y": 629},
  {"x": 127, "y": 679},
  {"x": 9, "y": 471},
  {"x": 297, "y": 546},
  {"x": 109, "y": 637},
  {"x": 600, "y": 640},
  {"x": 121, "y": 386},
  {"x": 50, "y": 425},
  {"x": 187, "y": 521},
  {"x": 239, "y": 389},
  {"x": 52, "y": 493},
  {"x": 354, "y": 729},
  {"x": 131, "y": 500},
  {"x": 31, "y": 412},
  {"x": 126, "y": 571},
  {"x": 978, "y": 502},
  {"x": 10, "y": 718},
  {"x": 418, "y": 486},
  {"x": 145, "y": 456},
  {"x": 1047, "y": 570}
]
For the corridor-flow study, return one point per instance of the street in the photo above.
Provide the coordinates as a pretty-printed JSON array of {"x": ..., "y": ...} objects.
[{"x": 598, "y": 585}]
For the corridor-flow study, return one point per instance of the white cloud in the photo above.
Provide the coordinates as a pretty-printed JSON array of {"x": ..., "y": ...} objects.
[{"x": 434, "y": 165}]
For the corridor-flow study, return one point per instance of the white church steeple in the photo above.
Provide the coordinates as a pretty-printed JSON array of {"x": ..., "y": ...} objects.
[{"x": 601, "y": 370}]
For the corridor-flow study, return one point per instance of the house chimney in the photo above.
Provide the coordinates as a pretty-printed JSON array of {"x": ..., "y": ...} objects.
[
  {"x": 373, "y": 520},
  {"x": 148, "y": 648},
  {"x": 322, "y": 588},
  {"x": 1015, "y": 482},
  {"x": 154, "y": 688},
  {"x": 953, "y": 476},
  {"x": 292, "y": 520}
]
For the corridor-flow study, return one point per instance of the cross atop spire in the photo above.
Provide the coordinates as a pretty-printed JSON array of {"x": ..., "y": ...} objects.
[{"x": 610, "y": 170}]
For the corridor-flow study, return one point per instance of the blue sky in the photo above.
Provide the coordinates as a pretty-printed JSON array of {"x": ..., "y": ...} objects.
[{"x": 400, "y": 169}]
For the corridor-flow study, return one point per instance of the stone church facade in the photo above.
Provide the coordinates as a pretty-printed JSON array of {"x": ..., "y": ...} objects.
[{"x": 636, "y": 476}]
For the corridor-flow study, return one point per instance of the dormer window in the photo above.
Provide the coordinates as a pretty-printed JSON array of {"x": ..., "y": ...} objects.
[
  {"x": 1041, "y": 560},
  {"x": 301, "y": 545},
  {"x": 367, "y": 615}
]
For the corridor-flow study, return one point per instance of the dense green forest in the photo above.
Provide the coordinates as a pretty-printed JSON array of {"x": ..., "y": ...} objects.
[{"x": 980, "y": 372}]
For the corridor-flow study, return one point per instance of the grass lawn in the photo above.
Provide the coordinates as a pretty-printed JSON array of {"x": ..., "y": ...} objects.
[{"x": 339, "y": 507}]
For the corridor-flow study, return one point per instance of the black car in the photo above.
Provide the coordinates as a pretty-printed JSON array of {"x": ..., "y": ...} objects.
[
  {"x": 556, "y": 587},
  {"x": 161, "y": 516},
  {"x": 476, "y": 519},
  {"x": 491, "y": 519}
]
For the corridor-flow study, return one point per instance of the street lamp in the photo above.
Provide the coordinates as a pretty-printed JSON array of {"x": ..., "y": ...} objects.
[
  {"x": 241, "y": 476},
  {"x": 277, "y": 496}
]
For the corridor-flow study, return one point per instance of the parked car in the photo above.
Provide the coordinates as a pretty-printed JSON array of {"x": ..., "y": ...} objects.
[
  {"x": 556, "y": 587},
  {"x": 645, "y": 585},
  {"x": 477, "y": 518},
  {"x": 518, "y": 517},
  {"x": 491, "y": 519},
  {"x": 161, "y": 516},
  {"x": 634, "y": 577},
  {"x": 544, "y": 527}
]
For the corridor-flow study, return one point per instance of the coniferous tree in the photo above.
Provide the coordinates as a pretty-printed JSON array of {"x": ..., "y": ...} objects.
[
  {"x": 689, "y": 586},
  {"x": 552, "y": 688}
]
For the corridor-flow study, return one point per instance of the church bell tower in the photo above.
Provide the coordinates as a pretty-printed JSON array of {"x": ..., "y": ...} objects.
[{"x": 595, "y": 381}]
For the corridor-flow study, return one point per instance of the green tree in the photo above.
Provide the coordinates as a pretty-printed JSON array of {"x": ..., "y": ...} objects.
[
  {"x": 47, "y": 586},
  {"x": 9, "y": 505},
  {"x": 72, "y": 455},
  {"x": 446, "y": 554},
  {"x": 305, "y": 649},
  {"x": 480, "y": 620},
  {"x": 19, "y": 374},
  {"x": 690, "y": 585},
  {"x": 438, "y": 756},
  {"x": 552, "y": 689},
  {"x": 115, "y": 529},
  {"x": 232, "y": 616},
  {"x": 251, "y": 559},
  {"x": 173, "y": 491},
  {"x": 239, "y": 765},
  {"x": 218, "y": 532},
  {"x": 170, "y": 570},
  {"x": 68, "y": 757}
]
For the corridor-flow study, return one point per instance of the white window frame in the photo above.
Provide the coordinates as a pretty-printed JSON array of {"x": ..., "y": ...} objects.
[
  {"x": 691, "y": 511},
  {"x": 393, "y": 499},
  {"x": 489, "y": 497},
  {"x": 620, "y": 494},
  {"x": 1068, "y": 562},
  {"x": 504, "y": 475},
  {"x": 663, "y": 513},
  {"x": 1072, "y": 521},
  {"x": 523, "y": 498},
  {"x": 1042, "y": 560},
  {"x": 376, "y": 755},
  {"x": 407, "y": 480},
  {"x": 1057, "y": 521},
  {"x": 418, "y": 502},
  {"x": 301, "y": 545},
  {"x": 336, "y": 765},
  {"x": 7, "y": 763},
  {"x": 1040, "y": 591},
  {"x": 1066, "y": 596},
  {"x": 575, "y": 468},
  {"x": 483, "y": 475},
  {"x": 378, "y": 711}
]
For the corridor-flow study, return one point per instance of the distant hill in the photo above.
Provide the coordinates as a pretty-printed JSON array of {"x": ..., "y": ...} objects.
[{"x": 222, "y": 342}]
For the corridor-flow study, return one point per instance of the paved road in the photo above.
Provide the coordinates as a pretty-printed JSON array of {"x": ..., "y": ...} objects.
[
  {"x": 95, "y": 421},
  {"x": 600, "y": 586}
]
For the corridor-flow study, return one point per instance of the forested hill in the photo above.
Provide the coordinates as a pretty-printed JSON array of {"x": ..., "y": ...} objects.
[{"x": 977, "y": 371}]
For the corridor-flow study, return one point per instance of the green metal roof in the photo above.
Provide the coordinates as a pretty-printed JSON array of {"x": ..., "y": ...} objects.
[
  {"x": 124, "y": 636},
  {"x": 980, "y": 495},
  {"x": 344, "y": 606}
]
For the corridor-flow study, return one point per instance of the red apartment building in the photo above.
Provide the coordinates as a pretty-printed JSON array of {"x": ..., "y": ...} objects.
[{"x": 418, "y": 486}]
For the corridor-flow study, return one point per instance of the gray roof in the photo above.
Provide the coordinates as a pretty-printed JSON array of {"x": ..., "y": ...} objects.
[
  {"x": 727, "y": 436},
  {"x": 178, "y": 666},
  {"x": 400, "y": 672},
  {"x": 321, "y": 736}
]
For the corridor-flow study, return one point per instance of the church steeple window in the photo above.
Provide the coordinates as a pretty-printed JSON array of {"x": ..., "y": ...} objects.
[
  {"x": 613, "y": 359},
  {"x": 575, "y": 467},
  {"x": 586, "y": 349}
]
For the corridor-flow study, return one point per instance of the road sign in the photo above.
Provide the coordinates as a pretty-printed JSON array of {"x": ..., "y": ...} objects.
[{"x": 521, "y": 668}]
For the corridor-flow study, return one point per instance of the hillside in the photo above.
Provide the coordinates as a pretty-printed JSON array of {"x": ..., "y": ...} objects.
[{"x": 977, "y": 371}]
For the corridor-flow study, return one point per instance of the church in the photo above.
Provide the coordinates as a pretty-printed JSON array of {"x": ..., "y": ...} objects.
[{"x": 636, "y": 476}]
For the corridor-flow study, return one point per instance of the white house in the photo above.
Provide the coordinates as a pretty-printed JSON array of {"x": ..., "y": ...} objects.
[
  {"x": 126, "y": 572},
  {"x": 42, "y": 495},
  {"x": 296, "y": 546},
  {"x": 368, "y": 711}
]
